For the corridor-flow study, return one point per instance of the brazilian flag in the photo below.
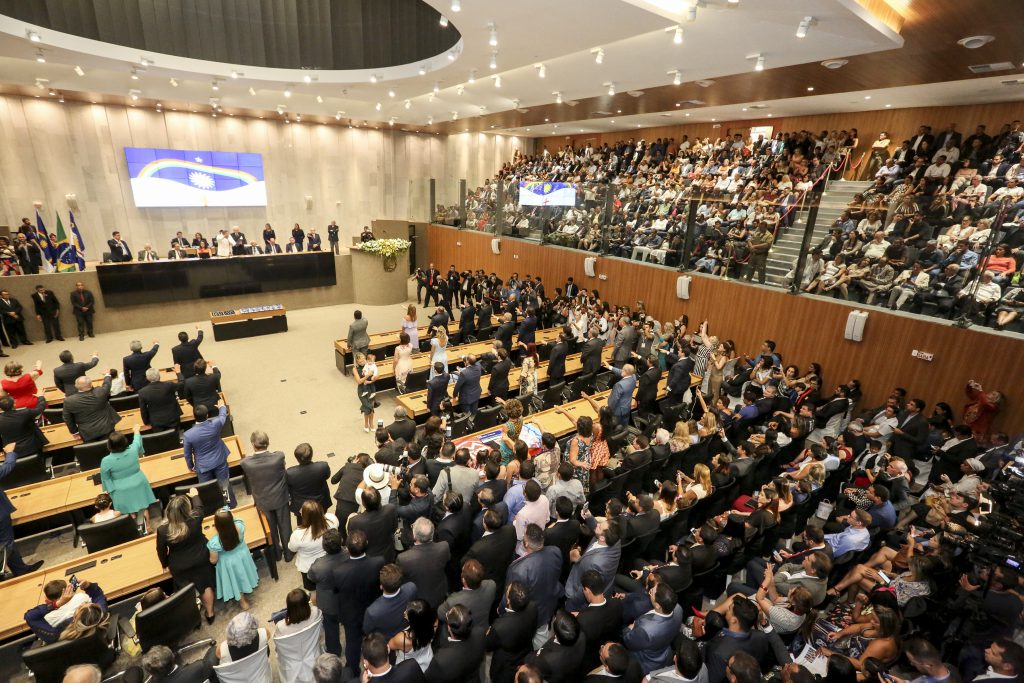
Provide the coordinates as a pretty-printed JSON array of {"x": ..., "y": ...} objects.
[{"x": 67, "y": 256}]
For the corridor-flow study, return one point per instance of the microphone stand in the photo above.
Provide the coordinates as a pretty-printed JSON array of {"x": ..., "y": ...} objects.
[{"x": 963, "y": 321}]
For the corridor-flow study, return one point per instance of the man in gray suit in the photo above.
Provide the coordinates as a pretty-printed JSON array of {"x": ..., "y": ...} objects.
[
  {"x": 625, "y": 342},
  {"x": 65, "y": 374},
  {"x": 602, "y": 555},
  {"x": 264, "y": 471},
  {"x": 477, "y": 594},
  {"x": 87, "y": 412},
  {"x": 358, "y": 339}
]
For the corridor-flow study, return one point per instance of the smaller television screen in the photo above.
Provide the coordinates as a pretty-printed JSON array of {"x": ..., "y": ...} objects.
[{"x": 540, "y": 193}]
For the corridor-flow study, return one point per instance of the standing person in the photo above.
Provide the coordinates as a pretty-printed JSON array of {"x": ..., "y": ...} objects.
[
  {"x": 364, "y": 370},
  {"x": 48, "y": 313},
  {"x": 332, "y": 237},
  {"x": 187, "y": 352},
  {"x": 136, "y": 363},
  {"x": 433, "y": 275},
  {"x": 13, "y": 319},
  {"x": 29, "y": 255},
  {"x": 264, "y": 470},
  {"x": 122, "y": 477},
  {"x": 236, "y": 571},
  {"x": 438, "y": 350},
  {"x": 356, "y": 585},
  {"x": 268, "y": 236},
  {"x": 322, "y": 573},
  {"x": 403, "y": 361},
  {"x": 88, "y": 413},
  {"x": 203, "y": 387},
  {"x": 19, "y": 426},
  {"x": 410, "y": 328},
  {"x": 158, "y": 401},
  {"x": 21, "y": 386},
  {"x": 224, "y": 244},
  {"x": 307, "y": 480},
  {"x": 206, "y": 454},
  {"x": 313, "y": 241},
  {"x": 83, "y": 304},
  {"x": 120, "y": 252},
  {"x": 760, "y": 244},
  {"x": 298, "y": 235},
  {"x": 14, "y": 561},
  {"x": 358, "y": 339},
  {"x": 238, "y": 241},
  {"x": 437, "y": 389},
  {"x": 182, "y": 548},
  {"x": 467, "y": 388},
  {"x": 65, "y": 374},
  {"x": 307, "y": 540}
]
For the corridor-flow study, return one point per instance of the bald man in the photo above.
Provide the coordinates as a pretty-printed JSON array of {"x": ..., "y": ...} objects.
[
  {"x": 467, "y": 388},
  {"x": 83, "y": 673},
  {"x": 87, "y": 413}
]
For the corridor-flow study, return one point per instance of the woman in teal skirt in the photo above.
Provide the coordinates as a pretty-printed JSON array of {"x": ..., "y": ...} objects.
[
  {"x": 236, "y": 572},
  {"x": 123, "y": 479}
]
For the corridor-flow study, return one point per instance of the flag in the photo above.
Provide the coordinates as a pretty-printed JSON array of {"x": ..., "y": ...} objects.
[
  {"x": 77, "y": 241},
  {"x": 67, "y": 260},
  {"x": 43, "y": 241}
]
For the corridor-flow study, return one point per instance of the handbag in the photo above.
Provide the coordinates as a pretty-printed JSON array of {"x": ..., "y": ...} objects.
[{"x": 825, "y": 509}]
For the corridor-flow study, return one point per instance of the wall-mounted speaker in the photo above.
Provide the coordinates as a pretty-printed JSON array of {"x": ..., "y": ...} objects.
[
  {"x": 496, "y": 245},
  {"x": 590, "y": 266},
  {"x": 683, "y": 286},
  {"x": 309, "y": 202},
  {"x": 855, "y": 323}
]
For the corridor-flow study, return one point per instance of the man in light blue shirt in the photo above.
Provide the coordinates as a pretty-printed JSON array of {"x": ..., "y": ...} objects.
[
  {"x": 620, "y": 401},
  {"x": 515, "y": 497},
  {"x": 854, "y": 537},
  {"x": 206, "y": 454}
]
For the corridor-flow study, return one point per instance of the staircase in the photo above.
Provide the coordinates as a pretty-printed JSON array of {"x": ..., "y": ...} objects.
[{"x": 783, "y": 256}]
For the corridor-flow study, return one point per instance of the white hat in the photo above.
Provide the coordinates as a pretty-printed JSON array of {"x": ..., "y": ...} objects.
[
  {"x": 975, "y": 464},
  {"x": 375, "y": 476}
]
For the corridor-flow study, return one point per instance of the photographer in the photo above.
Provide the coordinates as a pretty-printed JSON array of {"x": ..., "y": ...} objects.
[
  {"x": 987, "y": 607},
  {"x": 348, "y": 479},
  {"x": 415, "y": 501}
]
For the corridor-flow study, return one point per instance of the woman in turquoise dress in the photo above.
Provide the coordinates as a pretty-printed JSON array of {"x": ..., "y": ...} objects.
[
  {"x": 236, "y": 572},
  {"x": 123, "y": 479}
]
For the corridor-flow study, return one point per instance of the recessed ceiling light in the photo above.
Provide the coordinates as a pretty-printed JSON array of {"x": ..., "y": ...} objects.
[
  {"x": 677, "y": 78},
  {"x": 679, "y": 105},
  {"x": 545, "y": 120},
  {"x": 618, "y": 111},
  {"x": 373, "y": 78},
  {"x": 33, "y": 36},
  {"x": 287, "y": 93},
  {"x": 867, "y": 97},
  {"x": 174, "y": 82},
  {"x": 611, "y": 89},
  {"x": 391, "y": 93},
  {"x": 134, "y": 94},
  {"x": 216, "y": 86},
  {"x": 686, "y": 114},
  {"x": 492, "y": 38},
  {"x": 443, "y": 21},
  {"x": 456, "y": 5},
  {"x": 714, "y": 119},
  {"x": 134, "y": 75},
  {"x": 974, "y": 42},
  {"x": 887, "y": 106},
  {"x": 79, "y": 71},
  {"x": 810, "y": 88},
  {"x": 497, "y": 81},
  {"x": 307, "y": 79},
  {"x": 744, "y": 108},
  {"x": 835, "y": 63}
]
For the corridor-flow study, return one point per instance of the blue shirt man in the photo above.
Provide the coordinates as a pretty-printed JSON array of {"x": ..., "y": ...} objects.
[
  {"x": 206, "y": 454},
  {"x": 620, "y": 401},
  {"x": 853, "y": 537}
]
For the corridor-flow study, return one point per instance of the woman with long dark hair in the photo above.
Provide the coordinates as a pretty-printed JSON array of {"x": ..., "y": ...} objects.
[
  {"x": 414, "y": 641},
  {"x": 307, "y": 540},
  {"x": 236, "y": 572},
  {"x": 182, "y": 548}
]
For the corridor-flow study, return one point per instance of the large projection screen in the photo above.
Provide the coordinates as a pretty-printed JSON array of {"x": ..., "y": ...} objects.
[{"x": 185, "y": 177}]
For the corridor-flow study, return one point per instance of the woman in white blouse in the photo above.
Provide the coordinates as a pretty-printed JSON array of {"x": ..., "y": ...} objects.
[
  {"x": 307, "y": 540},
  {"x": 697, "y": 488},
  {"x": 298, "y": 613}
]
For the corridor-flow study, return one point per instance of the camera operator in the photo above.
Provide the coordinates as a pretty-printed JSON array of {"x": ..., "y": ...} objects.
[
  {"x": 389, "y": 450},
  {"x": 415, "y": 501},
  {"x": 348, "y": 479},
  {"x": 989, "y": 608}
]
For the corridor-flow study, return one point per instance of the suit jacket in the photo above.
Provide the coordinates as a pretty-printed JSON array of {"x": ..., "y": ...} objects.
[
  {"x": 322, "y": 572},
  {"x": 560, "y": 663},
  {"x": 556, "y": 362},
  {"x": 591, "y": 356},
  {"x": 49, "y": 307},
  {"x": 273, "y": 248},
  {"x": 510, "y": 640},
  {"x": 625, "y": 344},
  {"x": 600, "y": 624},
  {"x": 912, "y": 441},
  {"x": 504, "y": 334},
  {"x": 265, "y": 474},
  {"x": 679, "y": 378},
  {"x": 159, "y": 404},
  {"x": 647, "y": 389},
  {"x": 186, "y": 354},
  {"x": 816, "y": 587},
  {"x": 467, "y": 318},
  {"x": 539, "y": 571},
  {"x": 467, "y": 388},
  {"x": 379, "y": 527},
  {"x": 494, "y": 551},
  {"x": 650, "y": 639},
  {"x": 135, "y": 366},
  {"x": 203, "y": 389},
  {"x": 528, "y": 330},
  {"x": 424, "y": 565},
  {"x": 638, "y": 525},
  {"x": 119, "y": 251},
  {"x": 356, "y": 585},
  {"x": 89, "y": 413},
  {"x": 483, "y": 316},
  {"x": 84, "y": 299},
  {"x": 497, "y": 385},
  {"x": 948, "y": 461},
  {"x": 357, "y": 336},
  {"x": 308, "y": 482},
  {"x": 454, "y": 529},
  {"x": 603, "y": 559},
  {"x": 12, "y": 305},
  {"x": 437, "y": 391},
  {"x": 403, "y": 672},
  {"x": 387, "y": 614},
  {"x": 18, "y": 426},
  {"x": 563, "y": 535},
  {"x": 205, "y": 451},
  {"x": 150, "y": 255},
  {"x": 404, "y": 429},
  {"x": 723, "y": 646},
  {"x": 478, "y": 601},
  {"x": 458, "y": 661},
  {"x": 65, "y": 374}
]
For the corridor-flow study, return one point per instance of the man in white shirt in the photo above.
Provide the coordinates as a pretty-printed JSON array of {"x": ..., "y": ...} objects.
[{"x": 535, "y": 510}]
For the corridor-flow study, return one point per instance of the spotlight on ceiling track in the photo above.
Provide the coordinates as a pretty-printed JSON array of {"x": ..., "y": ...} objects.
[
  {"x": 134, "y": 94},
  {"x": 494, "y": 60},
  {"x": 558, "y": 97},
  {"x": 174, "y": 82},
  {"x": 805, "y": 24},
  {"x": 79, "y": 71},
  {"x": 611, "y": 89},
  {"x": 472, "y": 75},
  {"x": 598, "y": 55},
  {"x": 40, "y": 57},
  {"x": 423, "y": 70},
  {"x": 377, "y": 106},
  {"x": 492, "y": 35},
  {"x": 677, "y": 36},
  {"x": 677, "y": 76},
  {"x": 33, "y": 36},
  {"x": 456, "y": 5},
  {"x": 758, "y": 63},
  {"x": 437, "y": 87},
  {"x": 408, "y": 104},
  {"x": 145, "y": 61},
  {"x": 443, "y": 21},
  {"x": 542, "y": 71},
  {"x": 497, "y": 81},
  {"x": 373, "y": 78}
]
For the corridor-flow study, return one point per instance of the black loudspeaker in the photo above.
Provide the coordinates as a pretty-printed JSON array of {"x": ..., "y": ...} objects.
[{"x": 412, "y": 248}]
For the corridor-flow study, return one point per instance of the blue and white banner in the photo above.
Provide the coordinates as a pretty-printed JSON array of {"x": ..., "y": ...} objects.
[
  {"x": 181, "y": 177},
  {"x": 540, "y": 193}
]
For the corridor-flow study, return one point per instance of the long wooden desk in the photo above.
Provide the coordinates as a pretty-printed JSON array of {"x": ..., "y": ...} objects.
[
  {"x": 121, "y": 570},
  {"x": 382, "y": 340},
  {"x": 60, "y": 436},
  {"x": 415, "y": 403},
  {"x": 54, "y": 496},
  {"x": 55, "y": 397}
]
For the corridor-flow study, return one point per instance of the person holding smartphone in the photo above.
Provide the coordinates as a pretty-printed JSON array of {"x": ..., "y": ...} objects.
[{"x": 62, "y": 601}]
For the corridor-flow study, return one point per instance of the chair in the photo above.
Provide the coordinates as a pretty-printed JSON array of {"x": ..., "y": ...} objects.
[
  {"x": 637, "y": 548},
  {"x": 126, "y": 402},
  {"x": 603, "y": 381},
  {"x": 53, "y": 415},
  {"x": 580, "y": 384},
  {"x": 487, "y": 417},
  {"x": 106, "y": 257},
  {"x": 160, "y": 442},
  {"x": 102, "y": 535},
  {"x": 648, "y": 423},
  {"x": 89, "y": 455},
  {"x": 416, "y": 381},
  {"x": 636, "y": 479},
  {"x": 296, "y": 653},
  {"x": 28, "y": 469},
  {"x": 211, "y": 495},
  {"x": 617, "y": 441},
  {"x": 840, "y": 566},
  {"x": 49, "y": 662},
  {"x": 553, "y": 395},
  {"x": 722, "y": 497},
  {"x": 485, "y": 333},
  {"x": 600, "y": 496},
  {"x": 170, "y": 621},
  {"x": 252, "y": 669},
  {"x": 462, "y": 425}
]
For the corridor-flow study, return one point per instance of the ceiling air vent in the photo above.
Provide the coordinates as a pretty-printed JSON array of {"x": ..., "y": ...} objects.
[
  {"x": 695, "y": 103},
  {"x": 635, "y": 93},
  {"x": 595, "y": 114},
  {"x": 989, "y": 68},
  {"x": 758, "y": 106},
  {"x": 705, "y": 83}
]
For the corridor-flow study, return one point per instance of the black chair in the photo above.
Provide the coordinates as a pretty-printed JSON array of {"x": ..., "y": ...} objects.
[
  {"x": 49, "y": 662},
  {"x": 617, "y": 441},
  {"x": 170, "y": 621},
  {"x": 53, "y": 415},
  {"x": 416, "y": 381},
  {"x": 605, "y": 491},
  {"x": 581, "y": 384},
  {"x": 89, "y": 455},
  {"x": 603, "y": 381},
  {"x": 126, "y": 402},
  {"x": 28, "y": 469},
  {"x": 636, "y": 479},
  {"x": 637, "y": 548},
  {"x": 694, "y": 595},
  {"x": 485, "y": 332},
  {"x": 487, "y": 417},
  {"x": 840, "y": 566},
  {"x": 102, "y": 535},
  {"x": 648, "y": 423},
  {"x": 462, "y": 425},
  {"x": 161, "y": 442},
  {"x": 723, "y": 497},
  {"x": 211, "y": 495},
  {"x": 553, "y": 395}
]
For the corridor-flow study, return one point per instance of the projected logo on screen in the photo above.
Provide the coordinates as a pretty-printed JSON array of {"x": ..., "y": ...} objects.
[
  {"x": 181, "y": 177},
  {"x": 535, "y": 193}
]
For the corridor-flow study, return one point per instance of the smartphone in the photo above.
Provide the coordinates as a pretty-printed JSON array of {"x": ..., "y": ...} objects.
[
  {"x": 74, "y": 582},
  {"x": 776, "y": 556},
  {"x": 885, "y": 577},
  {"x": 380, "y": 423}
]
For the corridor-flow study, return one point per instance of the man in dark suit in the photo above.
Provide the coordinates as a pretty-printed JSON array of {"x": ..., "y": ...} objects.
[
  {"x": 571, "y": 288},
  {"x": 160, "y": 664},
  {"x": 13, "y": 319},
  {"x": 378, "y": 522},
  {"x": 564, "y": 532},
  {"x": 273, "y": 247},
  {"x": 307, "y": 480},
  {"x": 83, "y": 305},
  {"x": 120, "y": 252},
  {"x": 911, "y": 431},
  {"x": 48, "y": 313},
  {"x": 348, "y": 479},
  {"x": 600, "y": 620},
  {"x": 203, "y": 388},
  {"x": 431, "y": 277},
  {"x": 647, "y": 387},
  {"x": 458, "y": 660},
  {"x": 487, "y": 498},
  {"x": 467, "y": 388},
  {"x": 387, "y": 613},
  {"x": 14, "y": 561},
  {"x": 467, "y": 321},
  {"x": 437, "y": 388},
  {"x": 952, "y": 454},
  {"x": 356, "y": 586},
  {"x": 65, "y": 374},
  {"x": 591, "y": 354},
  {"x": 560, "y": 659},
  {"x": 403, "y": 427},
  {"x": 378, "y": 668},
  {"x": 424, "y": 563},
  {"x": 602, "y": 554},
  {"x": 625, "y": 342},
  {"x": 483, "y": 315},
  {"x": 650, "y": 637},
  {"x": 495, "y": 549},
  {"x": 454, "y": 529},
  {"x": 322, "y": 573},
  {"x": 505, "y": 331},
  {"x": 556, "y": 359},
  {"x": 528, "y": 328},
  {"x": 538, "y": 569},
  {"x": 186, "y": 353},
  {"x": 87, "y": 412},
  {"x": 264, "y": 470},
  {"x": 136, "y": 363},
  {"x": 678, "y": 382},
  {"x": 18, "y": 426},
  {"x": 30, "y": 256},
  {"x": 642, "y": 518},
  {"x": 740, "y": 635},
  {"x": 158, "y": 401},
  {"x": 510, "y": 637}
]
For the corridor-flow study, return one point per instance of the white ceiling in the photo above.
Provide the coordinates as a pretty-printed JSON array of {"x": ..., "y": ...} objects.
[{"x": 636, "y": 36}]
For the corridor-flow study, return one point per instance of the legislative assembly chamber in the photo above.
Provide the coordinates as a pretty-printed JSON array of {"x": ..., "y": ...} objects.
[{"x": 466, "y": 341}]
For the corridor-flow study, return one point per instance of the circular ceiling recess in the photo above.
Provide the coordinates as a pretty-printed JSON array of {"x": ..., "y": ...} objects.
[{"x": 283, "y": 34}]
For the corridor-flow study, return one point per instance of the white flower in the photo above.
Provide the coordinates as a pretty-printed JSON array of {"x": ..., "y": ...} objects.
[{"x": 204, "y": 181}]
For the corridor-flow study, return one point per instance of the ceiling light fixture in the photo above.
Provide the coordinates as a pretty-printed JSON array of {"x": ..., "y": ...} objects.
[
  {"x": 235, "y": 75},
  {"x": 759, "y": 64},
  {"x": 455, "y": 115},
  {"x": 319, "y": 100},
  {"x": 691, "y": 14},
  {"x": 287, "y": 93},
  {"x": 472, "y": 75},
  {"x": 174, "y": 82},
  {"x": 408, "y": 104},
  {"x": 437, "y": 87},
  {"x": 307, "y": 79},
  {"x": 456, "y": 5},
  {"x": 145, "y": 61},
  {"x": 423, "y": 71},
  {"x": 78, "y": 70},
  {"x": 40, "y": 57},
  {"x": 497, "y": 81},
  {"x": 373, "y": 78},
  {"x": 134, "y": 75},
  {"x": 494, "y": 60},
  {"x": 677, "y": 37},
  {"x": 337, "y": 115},
  {"x": 810, "y": 88},
  {"x": 460, "y": 89},
  {"x": 252, "y": 91},
  {"x": 611, "y": 89},
  {"x": 216, "y": 86},
  {"x": 451, "y": 55},
  {"x": 377, "y": 106},
  {"x": 598, "y": 55},
  {"x": 443, "y": 21},
  {"x": 806, "y": 23},
  {"x": 391, "y": 93},
  {"x": 558, "y": 97},
  {"x": 33, "y": 36},
  {"x": 430, "y": 120},
  {"x": 542, "y": 71},
  {"x": 134, "y": 94},
  {"x": 867, "y": 97},
  {"x": 281, "y": 109},
  {"x": 677, "y": 76},
  {"x": 492, "y": 35},
  {"x": 734, "y": 2}
]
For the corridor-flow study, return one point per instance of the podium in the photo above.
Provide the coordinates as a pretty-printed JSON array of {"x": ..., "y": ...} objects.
[{"x": 248, "y": 322}]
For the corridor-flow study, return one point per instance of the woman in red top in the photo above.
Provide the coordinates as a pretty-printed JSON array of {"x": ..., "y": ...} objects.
[
  {"x": 979, "y": 412},
  {"x": 1001, "y": 264},
  {"x": 21, "y": 386}
]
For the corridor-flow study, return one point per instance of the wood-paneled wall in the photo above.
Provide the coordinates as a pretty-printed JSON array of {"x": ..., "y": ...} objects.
[
  {"x": 354, "y": 175},
  {"x": 900, "y": 124},
  {"x": 806, "y": 329}
]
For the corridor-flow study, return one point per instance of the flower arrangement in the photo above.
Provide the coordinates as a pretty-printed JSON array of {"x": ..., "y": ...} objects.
[{"x": 385, "y": 248}]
